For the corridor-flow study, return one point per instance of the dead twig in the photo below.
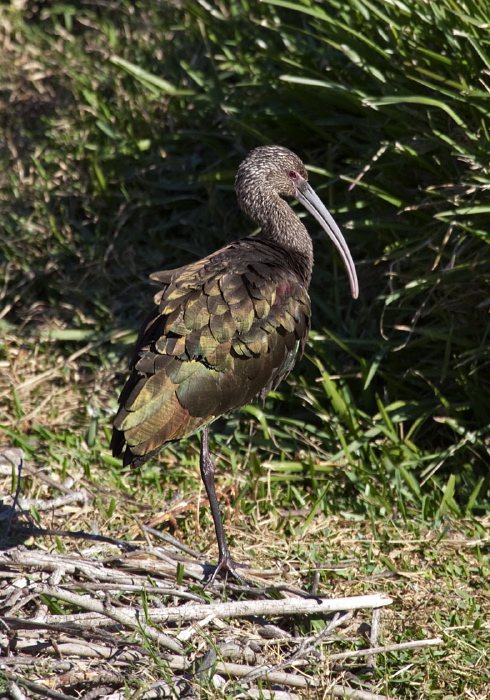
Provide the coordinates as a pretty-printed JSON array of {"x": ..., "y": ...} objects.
[
  {"x": 69, "y": 564},
  {"x": 130, "y": 617},
  {"x": 77, "y": 535},
  {"x": 35, "y": 687},
  {"x": 44, "y": 504},
  {"x": 259, "y": 608},
  {"x": 264, "y": 694},
  {"x": 77, "y": 676},
  {"x": 304, "y": 650},
  {"x": 14, "y": 690},
  {"x": 171, "y": 540},
  {"x": 136, "y": 588},
  {"x": 81, "y": 650},
  {"x": 296, "y": 681},
  {"x": 417, "y": 644},
  {"x": 24, "y": 660},
  {"x": 374, "y": 635},
  {"x": 17, "y": 624},
  {"x": 193, "y": 613},
  {"x": 39, "y": 474},
  {"x": 244, "y": 608}
]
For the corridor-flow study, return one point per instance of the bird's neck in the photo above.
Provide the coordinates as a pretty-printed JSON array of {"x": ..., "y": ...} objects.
[{"x": 281, "y": 225}]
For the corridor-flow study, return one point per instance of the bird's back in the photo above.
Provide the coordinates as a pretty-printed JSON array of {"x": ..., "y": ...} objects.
[{"x": 225, "y": 329}]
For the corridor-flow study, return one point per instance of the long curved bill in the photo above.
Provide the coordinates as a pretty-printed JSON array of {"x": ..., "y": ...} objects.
[{"x": 312, "y": 202}]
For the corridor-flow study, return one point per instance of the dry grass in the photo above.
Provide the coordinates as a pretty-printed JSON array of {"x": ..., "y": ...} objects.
[{"x": 433, "y": 577}]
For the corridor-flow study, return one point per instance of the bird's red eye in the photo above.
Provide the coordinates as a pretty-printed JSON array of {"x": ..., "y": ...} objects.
[{"x": 293, "y": 174}]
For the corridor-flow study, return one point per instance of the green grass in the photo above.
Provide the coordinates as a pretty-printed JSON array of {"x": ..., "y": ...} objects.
[{"x": 122, "y": 129}]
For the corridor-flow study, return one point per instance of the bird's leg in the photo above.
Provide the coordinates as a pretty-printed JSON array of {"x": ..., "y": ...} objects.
[{"x": 225, "y": 562}]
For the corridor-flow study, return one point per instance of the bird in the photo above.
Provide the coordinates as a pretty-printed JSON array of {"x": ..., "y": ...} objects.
[{"x": 228, "y": 328}]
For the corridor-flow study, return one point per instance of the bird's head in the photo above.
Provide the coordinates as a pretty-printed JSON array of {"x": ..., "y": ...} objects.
[
  {"x": 272, "y": 168},
  {"x": 272, "y": 172}
]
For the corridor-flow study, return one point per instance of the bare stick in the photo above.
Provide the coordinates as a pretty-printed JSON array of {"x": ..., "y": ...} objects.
[
  {"x": 373, "y": 637},
  {"x": 244, "y": 608},
  {"x": 90, "y": 619},
  {"x": 39, "y": 474},
  {"x": 76, "y": 676},
  {"x": 43, "y": 504},
  {"x": 286, "y": 606},
  {"x": 95, "y": 571},
  {"x": 78, "y": 535},
  {"x": 131, "y": 617},
  {"x": 179, "y": 663},
  {"x": 391, "y": 647},
  {"x": 24, "y": 660},
  {"x": 271, "y": 694},
  {"x": 137, "y": 588},
  {"x": 296, "y": 681},
  {"x": 81, "y": 650},
  {"x": 306, "y": 648},
  {"x": 171, "y": 540},
  {"x": 14, "y": 690},
  {"x": 43, "y": 562},
  {"x": 38, "y": 689}
]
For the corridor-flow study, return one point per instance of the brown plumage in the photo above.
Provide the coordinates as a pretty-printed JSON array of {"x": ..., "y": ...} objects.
[{"x": 229, "y": 327}]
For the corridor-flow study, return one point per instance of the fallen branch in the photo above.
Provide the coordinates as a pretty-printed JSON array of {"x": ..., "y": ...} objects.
[
  {"x": 35, "y": 687},
  {"x": 82, "y": 650},
  {"x": 39, "y": 474},
  {"x": 275, "y": 608},
  {"x": 14, "y": 690},
  {"x": 22, "y": 660},
  {"x": 130, "y": 617},
  {"x": 243, "y": 608},
  {"x": 373, "y": 636},
  {"x": 137, "y": 588},
  {"x": 171, "y": 540},
  {"x": 93, "y": 571},
  {"x": 155, "y": 560},
  {"x": 390, "y": 647},
  {"x": 296, "y": 681},
  {"x": 42, "y": 504},
  {"x": 79, "y": 676},
  {"x": 304, "y": 650},
  {"x": 264, "y": 694}
]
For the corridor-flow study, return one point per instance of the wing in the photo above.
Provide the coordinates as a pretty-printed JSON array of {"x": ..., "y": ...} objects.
[{"x": 226, "y": 329}]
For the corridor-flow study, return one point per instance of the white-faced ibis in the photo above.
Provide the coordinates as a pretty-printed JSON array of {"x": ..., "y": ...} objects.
[{"x": 228, "y": 328}]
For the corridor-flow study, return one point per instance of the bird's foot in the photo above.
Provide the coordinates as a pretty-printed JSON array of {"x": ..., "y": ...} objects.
[{"x": 226, "y": 565}]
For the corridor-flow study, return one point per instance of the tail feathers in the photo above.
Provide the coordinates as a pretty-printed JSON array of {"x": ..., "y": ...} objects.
[
  {"x": 120, "y": 448},
  {"x": 134, "y": 460},
  {"x": 141, "y": 442},
  {"x": 117, "y": 442}
]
